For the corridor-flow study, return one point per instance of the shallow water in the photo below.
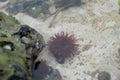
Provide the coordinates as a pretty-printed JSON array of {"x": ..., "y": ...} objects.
[{"x": 95, "y": 23}]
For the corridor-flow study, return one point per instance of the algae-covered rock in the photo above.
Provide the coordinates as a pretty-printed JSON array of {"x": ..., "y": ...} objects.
[
  {"x": 20, "y": 45},
  {"x": 39, "y": 8},
  {"x": 3, "y": 0},
  {"x": 33, "y": 8}
]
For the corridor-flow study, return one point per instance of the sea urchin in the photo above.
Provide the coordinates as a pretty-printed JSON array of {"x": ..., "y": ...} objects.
[
  {"x": 41, "y": 70},
  {"x": 62, "y": 46}
]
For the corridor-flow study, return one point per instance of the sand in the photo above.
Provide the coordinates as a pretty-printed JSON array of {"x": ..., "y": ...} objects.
[{"x": 97, "y": 26}]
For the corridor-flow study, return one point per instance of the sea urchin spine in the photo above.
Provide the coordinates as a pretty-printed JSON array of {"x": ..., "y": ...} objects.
[{"x": 62, "y": 46}]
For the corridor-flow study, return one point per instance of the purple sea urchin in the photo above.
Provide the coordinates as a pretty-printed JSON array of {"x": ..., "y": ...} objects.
[
  {"x": 41, "y": 70},
  {"x": 62, "y": 46}
]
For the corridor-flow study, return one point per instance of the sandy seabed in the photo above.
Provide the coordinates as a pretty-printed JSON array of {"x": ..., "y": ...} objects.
[{"x": 97, "y": 26}]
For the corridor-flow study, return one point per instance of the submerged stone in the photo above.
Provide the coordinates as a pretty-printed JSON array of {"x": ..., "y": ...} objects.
[
  {"x": 104, "y": 76},
  {"x": 17, "y": 56}
]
